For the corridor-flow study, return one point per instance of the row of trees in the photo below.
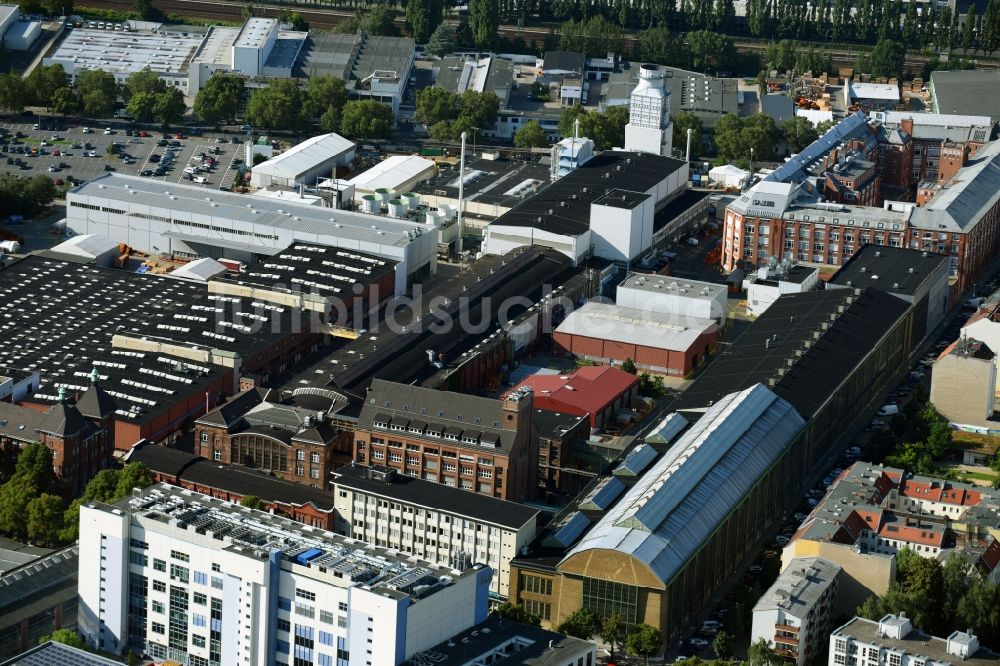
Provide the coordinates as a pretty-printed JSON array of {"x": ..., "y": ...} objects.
[
  {"x": 447, "y": 115},
  {"x": 607, "y": 129},
  {"x": 640, "y": 640},
  {"x": 940, "y": 597},
  {"x": 25, "y": 196},
  {"x": 737, "y": 140},
  {"x": 93, "y": 93},
  {"x": 30, "y": 508}
]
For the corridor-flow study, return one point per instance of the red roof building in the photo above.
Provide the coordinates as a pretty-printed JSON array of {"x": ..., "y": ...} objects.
[{"x": 598, "y": 392}]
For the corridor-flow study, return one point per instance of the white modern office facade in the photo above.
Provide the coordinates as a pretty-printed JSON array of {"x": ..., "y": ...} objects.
[
  {"x": 192, "y": 222},
  {"x": 200, "y": 581},
  {"x": 443, "y": 525}
]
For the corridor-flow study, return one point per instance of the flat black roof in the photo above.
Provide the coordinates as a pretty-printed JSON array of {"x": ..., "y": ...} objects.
[
  {"x": 328, "y": 272},
  {"x": 676, "y": 206},
  {"x": 623, "y": 199},
  {"x": 563, "y": 207},
  {"x": 553, "y": 424},
  {"x": 388, "y": 352},
  {"x": 496, "y": 182},
  {"x": 232, "y": 478},
  {"x": 780, "y": 334},
  {"x": 435, "y": 496},
  {"x": 894, "y": 269}
]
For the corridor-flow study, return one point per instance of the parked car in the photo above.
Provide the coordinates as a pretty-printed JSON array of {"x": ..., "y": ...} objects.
[
  {"x": 86, "y": 130},
  {"x": 146, "y": 172},
  {"x": 888, "y": 410},
  {"x": 53, "y": 168},
  {"x": 154, "y": 158},
  {"x": 162, "y": 143},
  {"x": 108, "y": 167},
  {"x": 143, "y": 133},
  {"x": 781, "y": 540},
  {"x": 691, "y": 241},
  {"x": 108, "y": 131},
  {"x": 699, "y": 643}
]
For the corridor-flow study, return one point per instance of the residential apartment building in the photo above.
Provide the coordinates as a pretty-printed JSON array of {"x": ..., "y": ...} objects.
[
  {"x": 254, "y": 429},
  {"x": 894, "y": 641},
  {"x": 443, "y": 525},
  {"x": 826, "y": 202},
  {"x": 477, "y": 444},
  {"x": 204, "y": 582},
  {"x": 795, "y": 613},
  {"x": 871, "y": 512}
]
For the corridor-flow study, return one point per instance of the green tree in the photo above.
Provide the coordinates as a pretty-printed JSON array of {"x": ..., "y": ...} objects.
[
  {"x": 441, "y": 41},
  {"x": 98, "y": 92},
  {"x": 15, "y": 496},
  {"x": 531, "y": 135},
  {"x": 990, "y": 36},
  {"x": 980, "y": 610},
  {"x": 628, "y": 365},
  {"x": 66, "y": 637},
  {"x": 423, "y": 17},
  {"x": 279, "y": 106},
  {"x": 134, "y": 475},
  {"x": 323, "y": 94},
  {"x": 612, "y": 632},
  {"x": 722, "y": 645},
  {"x": 143, "y": 81},
  {"x": 65, "y": 101},
  {"x": 871, "y": 609},
  {"x": 381, "y": 22},
  {"x": 760, "y": 653},
  {"x": 146, "y": 10},
  {"x": 170, "y": 106},
  {"x": 294, "y": 19},
  {"x": 478, "y": 109},
  {"x": 251, "y": 502},
  {"x": 799, "y": 133},
  {"x": 659, "y": 46},
  {"x": 45, "y": 519},
  {"x": 42, "y": 83},
  {"x": 59, "y": 7},
  {"x": 581, "y": 623},
  {"x": 516, "y": 613},
  {"x": 38, "y": 193},
  {"x": 644, "y": 641},
  {"x": 968, "y": 29},
  {"x": 710, "y": 51},
  {"x": 132, "y": 659},
  {"x": 484, "y": 19},
  {"x": 13, "y": 93},
  {"x": 219, "y": 99},
  {"x": 34, "y": 462},
  {"x": 366, "y": 119},
  {"x": 436, "y": 104},
  {"x": 825, "y": 126},
  {"x": 684, "y": 121},
  {"x": 140, "y": 106}
]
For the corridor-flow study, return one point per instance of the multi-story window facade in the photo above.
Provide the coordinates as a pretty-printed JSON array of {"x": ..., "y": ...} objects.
[{"x": 192, "y": 579}]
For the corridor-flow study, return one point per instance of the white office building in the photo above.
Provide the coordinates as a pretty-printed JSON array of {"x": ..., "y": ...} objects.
[
  {"x": 661, "y": 295},
  {"x": 189, "y": 578},
  {"x": 893, "y": 640},
  {"x": 445, "y": 525},
  {"x": 649, "y": 128},
  {"x": 188, "y": 221},
  {"x": 794, "y": 615}
]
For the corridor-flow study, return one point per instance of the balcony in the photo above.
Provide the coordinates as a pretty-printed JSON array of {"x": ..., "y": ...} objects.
[
  {"x": 787, "y": 627},
  {"x": 785, "y": 640}
]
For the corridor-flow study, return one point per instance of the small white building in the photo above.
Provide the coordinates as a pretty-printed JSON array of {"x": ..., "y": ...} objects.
[
  {"x": 398, "y": 173},
  {"x": 22, "y": 35},
  {"x": 305, "y": 163},
  {"x": 199, "y": 270},
  {"x": 794, "y": 614},
  {"x": 767, "y": 284},
  {"x": 88, "y": 248},
  {"x": 893, "y": 640},
  {"x": 451, "y": 527},
  {"x": 674, "y": 296},
  {"x": 17, "y": 384},
  {"x": 249, "y": 587},
  {"x": 729, "y": 176}
]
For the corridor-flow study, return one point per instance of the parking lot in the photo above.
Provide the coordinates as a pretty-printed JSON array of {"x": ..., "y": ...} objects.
[{"x": 144, "y": 155}]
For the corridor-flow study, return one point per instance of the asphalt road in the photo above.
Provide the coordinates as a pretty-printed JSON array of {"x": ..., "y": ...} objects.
[{"x": 73, "y": 162}]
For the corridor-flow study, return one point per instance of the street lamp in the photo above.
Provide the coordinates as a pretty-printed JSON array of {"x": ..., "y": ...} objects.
[
  {"x": 475, "y": 133},
  {"x": 751, "y": 162}
]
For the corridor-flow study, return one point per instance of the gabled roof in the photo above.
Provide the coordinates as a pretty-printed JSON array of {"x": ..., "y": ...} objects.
[
  {"x": 96, "y": 403},
  {"x": 230, "y": 413},
  {"x": 964, "y": 200},
  {"x": 19, "y": 423},
  {"x": 65, "y": 420},
  {"x": 588, "y": 390}
]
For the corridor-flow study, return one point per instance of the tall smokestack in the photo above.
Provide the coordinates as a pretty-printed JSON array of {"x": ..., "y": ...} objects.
[
  {"x": 461, "y": 195},
  {"x": 687, "y": 153}
]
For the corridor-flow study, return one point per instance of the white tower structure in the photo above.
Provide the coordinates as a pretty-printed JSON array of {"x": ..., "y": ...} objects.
[{"x": 649, "y": 128}]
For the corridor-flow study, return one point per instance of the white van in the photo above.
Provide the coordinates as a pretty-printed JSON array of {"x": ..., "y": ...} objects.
[
  {"x": 888, "y": 410},
  {"x": 201, "y": 180}
]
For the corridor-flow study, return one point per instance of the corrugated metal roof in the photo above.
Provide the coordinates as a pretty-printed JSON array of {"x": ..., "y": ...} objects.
[
  {"x": 305, "y": 156},
  {"x": 666, "y": 516},
  {"x": 966, "y": 199},
  {"x": 392, "y": 172},
  {"x": 610, "y": 322},
  {"x": 182, "y": 201},
  {"x": 639, "y": 458},
  {"x": 667, "y": 429}
]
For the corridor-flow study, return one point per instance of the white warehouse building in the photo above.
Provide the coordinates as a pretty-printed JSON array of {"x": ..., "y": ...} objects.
[
  {"x": 197, "y": 580},
  {"x": 661, "y": 295},
  {"x": 304, "y": 163},
  {"x": 187, "y": 221}
]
